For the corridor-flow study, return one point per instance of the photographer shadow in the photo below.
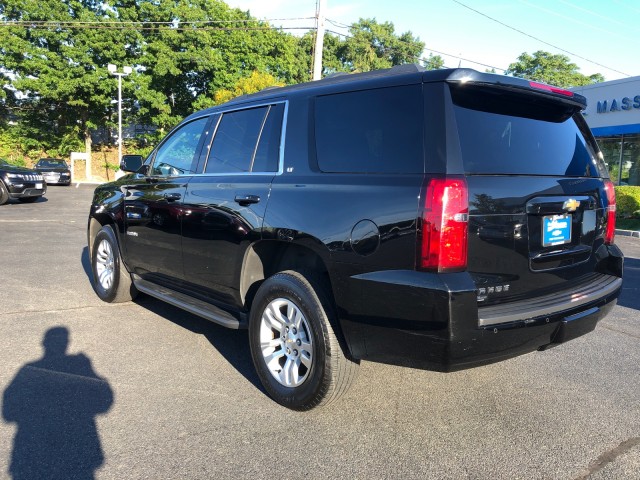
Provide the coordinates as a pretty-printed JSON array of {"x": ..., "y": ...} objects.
[{"x": 53, "y": 402}]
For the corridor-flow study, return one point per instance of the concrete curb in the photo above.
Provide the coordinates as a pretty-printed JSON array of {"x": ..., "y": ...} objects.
[
  {"x": 93, "y": 183},
  {"x": 628, "y": 233}
]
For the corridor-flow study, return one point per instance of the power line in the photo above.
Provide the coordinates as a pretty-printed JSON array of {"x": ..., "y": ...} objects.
[
  {"x": 595, "y": 14},
  {"x": 338, "y": 24},
  {"x": 144, "y": 22},
  {"x": 627, "y": 6},
  {"x": 465, "y": 59},
  {"x": 537, "y": 39},
  {"x": 176, "y": 26},
  {"x": 570, "y": 19},
  {"x": 429, "y": 50},
  {"x": 164, "y": 27}
]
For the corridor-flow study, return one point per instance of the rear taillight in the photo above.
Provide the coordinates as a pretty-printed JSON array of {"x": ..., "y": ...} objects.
[
  {"x": 442, "y": 241},
  {"x": 611, "y": 212}
]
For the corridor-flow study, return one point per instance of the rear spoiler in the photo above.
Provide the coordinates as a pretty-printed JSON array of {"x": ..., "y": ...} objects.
[{"x": 468, "y": 76}]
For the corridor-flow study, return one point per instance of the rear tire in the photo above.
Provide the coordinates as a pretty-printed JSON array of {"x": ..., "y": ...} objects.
[
  {"x": 294, "y": 347},
  {"x": 111, "y": 280},
  {"x": 4, "y": 194}
]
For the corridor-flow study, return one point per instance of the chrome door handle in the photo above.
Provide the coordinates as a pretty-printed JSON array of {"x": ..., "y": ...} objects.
[{"x": 245, "y": 200}]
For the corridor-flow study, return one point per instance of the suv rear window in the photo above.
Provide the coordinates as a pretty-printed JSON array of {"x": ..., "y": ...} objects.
[
  {"x": 370, "y": 131},
  {"x": 517, "y": 135}
]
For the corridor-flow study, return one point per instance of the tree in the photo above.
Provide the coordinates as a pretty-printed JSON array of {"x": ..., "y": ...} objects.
[
  {"x": 252, "y": 84},
  {"x": 372, "y": 45},
  {"x": 434, "y": 62},
  {"x": 180, "y": 50},
  {"x": 552, "y": 69},
  {"x": 369, "y": 46},
  {"x": 207, "y": 46},
  {"x": 330, "y": 62},
  {"x": 59, "y": 69}
]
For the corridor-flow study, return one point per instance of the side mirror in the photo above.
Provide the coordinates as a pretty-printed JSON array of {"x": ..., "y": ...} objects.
[{"x": 131, "y": 163}]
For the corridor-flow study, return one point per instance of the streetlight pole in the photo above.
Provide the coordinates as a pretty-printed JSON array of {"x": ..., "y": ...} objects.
[{"x": 125, "y": 71}]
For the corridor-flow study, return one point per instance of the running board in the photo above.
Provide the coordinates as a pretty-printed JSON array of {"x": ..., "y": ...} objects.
[{"x": 185, "y": 302}]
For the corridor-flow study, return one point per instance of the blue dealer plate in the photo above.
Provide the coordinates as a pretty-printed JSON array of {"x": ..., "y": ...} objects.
[{"x": 556, "y": 230}]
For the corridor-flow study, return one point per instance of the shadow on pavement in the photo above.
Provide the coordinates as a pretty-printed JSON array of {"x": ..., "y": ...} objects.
[
  {"x": 15, "y": 201},
  {"x": 233, "y": 345},
  {"x": 86, "y": 264},
  {"x": 54, "y": 401}
]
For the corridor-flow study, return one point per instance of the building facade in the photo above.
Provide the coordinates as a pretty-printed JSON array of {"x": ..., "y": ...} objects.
[{"x": 613, "y": 114}]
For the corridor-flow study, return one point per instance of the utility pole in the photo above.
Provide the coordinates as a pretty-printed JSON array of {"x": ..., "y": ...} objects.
[{"x": 317, "y": 52}]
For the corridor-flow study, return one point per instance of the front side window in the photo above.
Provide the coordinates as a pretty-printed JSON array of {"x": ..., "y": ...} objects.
[{"x": 177, "y": 153}]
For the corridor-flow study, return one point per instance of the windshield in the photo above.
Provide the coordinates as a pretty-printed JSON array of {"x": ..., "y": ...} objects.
[{"x": 51, "y": 163}]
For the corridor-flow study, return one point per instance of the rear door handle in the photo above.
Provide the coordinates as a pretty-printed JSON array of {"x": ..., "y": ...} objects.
[
  {"x": 245, "y": 200},
  {"x": 172, "y": 197}
]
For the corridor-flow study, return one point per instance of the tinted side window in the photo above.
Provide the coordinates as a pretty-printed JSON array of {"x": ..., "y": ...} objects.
[
  {"x": 268, "y": 153},
  {"x": 371, "y": 131},
  {"x": 176, "y": 154},
  {"x": 234, "y": 144}
]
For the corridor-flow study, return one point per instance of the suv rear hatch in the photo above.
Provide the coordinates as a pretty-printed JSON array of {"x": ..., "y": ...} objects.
[{"x": 538, "y": 204}]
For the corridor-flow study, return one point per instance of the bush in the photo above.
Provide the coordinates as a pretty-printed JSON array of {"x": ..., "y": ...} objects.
[
  {"x": 628, "y": 201},
  {"x": 17, "y": 161}
]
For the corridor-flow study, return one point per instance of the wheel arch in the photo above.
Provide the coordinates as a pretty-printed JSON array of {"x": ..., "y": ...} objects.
[
  {"x": 96, "y": 222},
  {"x": 266, "y": 258}
]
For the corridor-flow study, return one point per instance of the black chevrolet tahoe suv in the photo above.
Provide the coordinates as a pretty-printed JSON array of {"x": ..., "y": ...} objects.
[{"x": 441, "y": 220}]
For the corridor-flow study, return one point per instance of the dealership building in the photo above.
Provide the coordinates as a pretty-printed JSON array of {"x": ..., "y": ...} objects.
[{"x": 613, "y": 114}]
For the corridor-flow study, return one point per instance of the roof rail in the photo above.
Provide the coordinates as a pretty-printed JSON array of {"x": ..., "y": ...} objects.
[
  {"x": 407, "y": 68},
  {"x": 337, "y": 74}
]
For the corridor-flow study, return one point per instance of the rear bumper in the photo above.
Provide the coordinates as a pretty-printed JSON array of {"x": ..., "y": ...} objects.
[
  {"x": 26, "y": 191},
  {"x": 60, "y": 182},
  {"x": 432, "y": 321},
  {"x": 57, "y": 179},
  {"x": 541, "y": 307}
]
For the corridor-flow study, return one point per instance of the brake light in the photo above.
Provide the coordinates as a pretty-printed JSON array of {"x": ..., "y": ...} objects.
[
  {"x": 442, "y": 241},
  {"x": 549, "y": 88},
  {"x": 611, "y": 212}
]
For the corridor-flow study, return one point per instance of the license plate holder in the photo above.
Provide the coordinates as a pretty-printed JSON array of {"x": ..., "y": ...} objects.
[
  {"x": 556, "y": 230},
  {"x": 39, "y": 186}
]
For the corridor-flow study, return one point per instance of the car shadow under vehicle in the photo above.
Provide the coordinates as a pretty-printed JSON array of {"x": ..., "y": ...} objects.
[
  {"x": 15, "y": 202},
  {"x": 233, "y": 345},
  {"x": 86, "y": 264}
]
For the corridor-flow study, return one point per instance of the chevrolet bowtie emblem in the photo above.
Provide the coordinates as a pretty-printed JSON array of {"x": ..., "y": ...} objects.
[{"x": 571, "y": 205}]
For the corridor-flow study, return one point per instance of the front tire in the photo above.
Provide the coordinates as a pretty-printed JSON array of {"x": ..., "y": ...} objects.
[
  {"x": 111, "y": 280},
  {"x": 294, "y": 347}
]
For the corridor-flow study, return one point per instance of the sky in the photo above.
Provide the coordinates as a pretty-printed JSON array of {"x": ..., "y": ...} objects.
[{"x": 600, "y": 36}]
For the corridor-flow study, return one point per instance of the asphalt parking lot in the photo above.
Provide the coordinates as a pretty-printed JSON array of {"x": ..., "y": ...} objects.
[{"x": 146, "y": 391}]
